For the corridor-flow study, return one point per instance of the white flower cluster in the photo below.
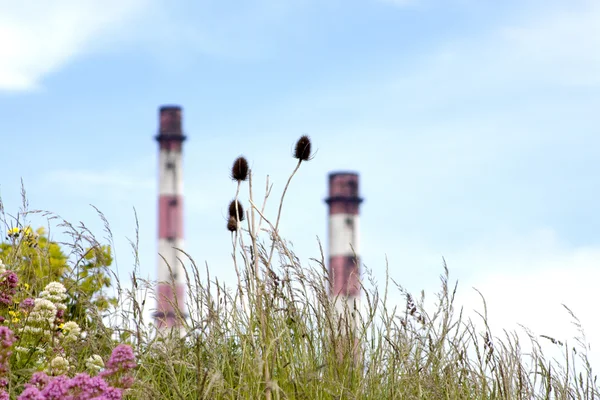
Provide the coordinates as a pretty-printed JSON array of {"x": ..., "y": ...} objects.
[
  {"x": 58, "y": 366},
  {"x": 41, "y": 319},
  {"x": 71, "y": 331},
  {"x": 2, "y": 267},
  {"x": 94, "y": 363},
  {"x": 28, "y": 350},
  {"x": 56, "y": 293}
]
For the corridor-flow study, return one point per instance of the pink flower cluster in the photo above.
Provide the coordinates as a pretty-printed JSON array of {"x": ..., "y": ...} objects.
[
  {"x": 7, "y": 338},
  {"x": 8, "y": 287},
  {"x": 27, "y": 304},
  {"x": 121, "y": 361},
  {"x": 81, "y": 386}
]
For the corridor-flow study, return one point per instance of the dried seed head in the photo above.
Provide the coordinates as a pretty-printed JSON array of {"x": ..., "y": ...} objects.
[
  {"x": 302, "y": 151},
  {"x": 239, "y": 171},
  {"x": 240, "y": 210},
  {"x": 232, "y": 224}
]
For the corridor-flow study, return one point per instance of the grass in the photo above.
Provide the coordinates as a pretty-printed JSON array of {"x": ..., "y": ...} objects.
[{"x": 275, "y": 333}]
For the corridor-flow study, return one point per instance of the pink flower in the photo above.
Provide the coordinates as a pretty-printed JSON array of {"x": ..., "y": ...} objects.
[
  {"x": 28, "y": 304},
  {"x": 121, "y": 361},
  {"x": 122, "y": 358},
  {"x": 38, "y": 380},
  {"x": 110, "y": 394},
  {"x": 31, "y": 393},
  {"x": 56, "y": 389},
  {"x": 80, "y": 387},
  {"x": 8, "y": 287},
  {"x": 7, "y": 338}
]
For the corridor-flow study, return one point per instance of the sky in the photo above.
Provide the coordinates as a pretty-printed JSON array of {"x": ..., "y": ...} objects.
[{"x": 473, "y": 125}]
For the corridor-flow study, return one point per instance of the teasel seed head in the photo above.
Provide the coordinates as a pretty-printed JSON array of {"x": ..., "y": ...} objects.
[
  {"x": 240, "y": 210},
  {"x": 239, "y": 171},
  {"x": 302, "y": 151},
  {"x": 232, "y": 224}
]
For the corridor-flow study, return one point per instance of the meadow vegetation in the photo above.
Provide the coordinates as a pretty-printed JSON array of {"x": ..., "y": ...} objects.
[{"x": 274, "y": 334}]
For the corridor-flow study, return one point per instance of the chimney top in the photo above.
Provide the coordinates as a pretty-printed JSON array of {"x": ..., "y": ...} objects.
[
  {"x": 170, "y": 124},
  {"x": 343, "y": 186}
]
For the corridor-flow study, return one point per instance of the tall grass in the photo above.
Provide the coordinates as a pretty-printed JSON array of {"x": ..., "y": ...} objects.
[{"x": 275, "y": 333}]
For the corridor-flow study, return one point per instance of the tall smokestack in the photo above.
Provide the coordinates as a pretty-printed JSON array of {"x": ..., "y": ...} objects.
[
  {"x": 170, "y": 289},
  {"x": 344, "y": 271}
]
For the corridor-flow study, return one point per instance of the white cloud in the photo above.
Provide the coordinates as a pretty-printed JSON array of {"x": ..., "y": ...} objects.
[
  {"x": 39, "y": 37},
  {"x": 525, "y": 279},
  {"x": 554, "y": 48},
  {"x": 563, "y": 46}
]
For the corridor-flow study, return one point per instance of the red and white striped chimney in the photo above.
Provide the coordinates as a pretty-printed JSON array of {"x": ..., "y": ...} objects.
[
  {"x": 171, "y": 305},
  {"x": 344, "y": 262}
]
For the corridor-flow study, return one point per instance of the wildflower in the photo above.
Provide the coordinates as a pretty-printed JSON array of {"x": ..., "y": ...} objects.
[
  {"x": 38, "y": 380},
  {"x": 239, "y": 171},
  {"x": 81, "y": 386},
  {"x": 59, "y": 366},
  {"x": 302, "y": 150},
  {"x": 112, "y": 394},
  {"x": 232, "y": 224},
  {"x": 27, "y": 304},
  {"x": 57, "y": 388},
  {"x": 8, "y": 286},
  {"x": 122, "y": 357},
  {"x": 94, "y": 363},
  {"x": 31, "y": 393},
  {"x": 4, "y": 395},
  {"x": 121, "y": 361},
  {"x": 14, "y": 232},
  {"x": 240, "y": 210},
  {"x": 30, "y": 237},
  {"x": 7, "y": 338},
  {"x": 71, "y": 331},
  {"x": 14, "y": 315},
  {"x": 2, "y": 268},
  {"x": 42, "y": 319},
  {"x": 56, "y": 293},
  {"x": 84, "y": 386}
]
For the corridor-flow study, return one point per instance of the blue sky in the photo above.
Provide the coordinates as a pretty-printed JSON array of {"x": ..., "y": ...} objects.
[{"x": 473, "y": 125}]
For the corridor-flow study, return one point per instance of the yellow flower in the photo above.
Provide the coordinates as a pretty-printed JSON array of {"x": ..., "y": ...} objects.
[
  {"x": 15, "y": 316},
  {"x": 14, "y": 232}
]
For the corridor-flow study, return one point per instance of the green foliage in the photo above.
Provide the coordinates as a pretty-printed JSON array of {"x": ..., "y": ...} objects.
[{"x": 38, "y": 261}]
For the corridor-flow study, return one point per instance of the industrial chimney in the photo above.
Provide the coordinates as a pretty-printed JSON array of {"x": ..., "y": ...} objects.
[
  {"x": 344, "y": 271},
  {"x": 170, "y": 290}
]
